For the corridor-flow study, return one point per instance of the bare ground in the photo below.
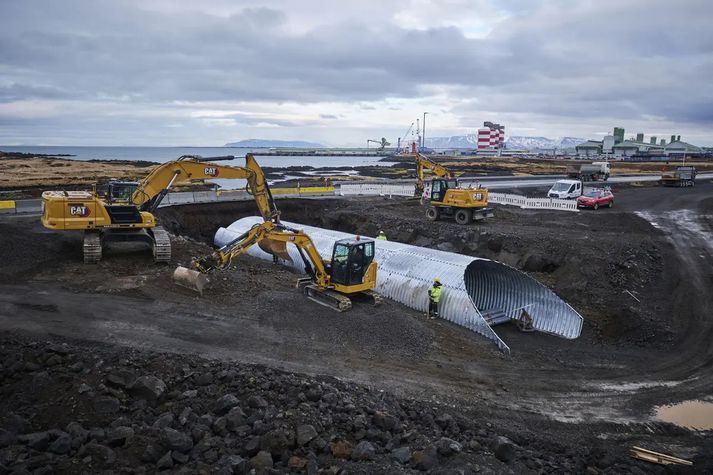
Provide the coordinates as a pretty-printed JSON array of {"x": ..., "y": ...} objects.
[{"x": 581, "y": 403}]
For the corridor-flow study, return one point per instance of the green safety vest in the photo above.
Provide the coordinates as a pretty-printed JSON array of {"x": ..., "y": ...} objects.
[
  {"x": 381, "y": 237},
  {"x": 435, "y": 293}
]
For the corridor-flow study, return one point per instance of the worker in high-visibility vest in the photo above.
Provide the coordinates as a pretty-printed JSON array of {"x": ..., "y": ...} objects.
[
  {"x": 434, "y": 297},
  {"x": 381, "y": 236}
]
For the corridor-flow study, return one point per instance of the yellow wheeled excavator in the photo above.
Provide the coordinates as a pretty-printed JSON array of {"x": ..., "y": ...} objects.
[
  {"x": 350, "y": 273},
  {"x": 124, "y": 211},
  {"x": 445, "y": 197}
]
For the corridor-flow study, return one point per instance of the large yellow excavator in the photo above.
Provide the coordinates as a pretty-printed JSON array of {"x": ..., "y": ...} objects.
[
  {"x": 351, "y": 271},
  {"x": 446, "y": 197},
  {"x": 124, "y": 211}
]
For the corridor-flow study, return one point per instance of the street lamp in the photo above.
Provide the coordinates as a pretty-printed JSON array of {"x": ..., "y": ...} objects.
[{"x": 423, "y": 136}]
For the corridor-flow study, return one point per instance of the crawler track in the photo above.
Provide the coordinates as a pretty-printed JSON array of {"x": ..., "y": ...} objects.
[
  {"x": 92, "y": 247},
  {"x": 162, "y": 245}
]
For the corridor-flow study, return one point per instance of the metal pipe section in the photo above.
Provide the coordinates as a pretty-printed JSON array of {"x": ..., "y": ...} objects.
[{"x": 471, "y": 285}]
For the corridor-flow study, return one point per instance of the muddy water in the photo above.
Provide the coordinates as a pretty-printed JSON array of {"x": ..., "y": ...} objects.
[{"x": 694, "y": 414}]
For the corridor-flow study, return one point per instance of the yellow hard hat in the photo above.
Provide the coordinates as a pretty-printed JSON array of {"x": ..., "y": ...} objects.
[{"x": 437, "y": 280}]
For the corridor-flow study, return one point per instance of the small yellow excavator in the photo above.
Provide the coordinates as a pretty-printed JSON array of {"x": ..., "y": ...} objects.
[
  {"x": 446, "y": 197},
  {"x": 350, "y": 273},
  {"x": 124, "y": 211}
]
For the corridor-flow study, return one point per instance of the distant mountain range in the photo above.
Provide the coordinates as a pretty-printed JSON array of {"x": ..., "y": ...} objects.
[
  {"x": 534, "y": 143},
  {"x": 263, "y": 143},
  {"x": 470, "y": 141}
]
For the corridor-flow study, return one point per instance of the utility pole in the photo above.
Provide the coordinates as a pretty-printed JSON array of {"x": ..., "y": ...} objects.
[
  {"x": 423, "y": 135},
  {"x": 418, "y": 134}
]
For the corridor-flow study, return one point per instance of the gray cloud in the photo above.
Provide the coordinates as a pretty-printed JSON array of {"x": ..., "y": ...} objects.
[{"x": 559, "y": 59}]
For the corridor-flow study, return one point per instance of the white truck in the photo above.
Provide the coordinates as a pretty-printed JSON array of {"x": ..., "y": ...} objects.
[
  {"x": 589, "y": 171},
  {"x": 566, "y": 189}
]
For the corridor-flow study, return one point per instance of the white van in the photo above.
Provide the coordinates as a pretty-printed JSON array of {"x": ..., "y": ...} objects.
[{"x": 565, "y": 189}]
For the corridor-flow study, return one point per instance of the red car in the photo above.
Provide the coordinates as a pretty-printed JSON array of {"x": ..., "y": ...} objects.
[{"x": 595, "y": 199}]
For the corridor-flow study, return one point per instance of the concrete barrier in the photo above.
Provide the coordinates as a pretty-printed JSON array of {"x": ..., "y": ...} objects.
[
  {"x": 7, "y": 207},
  {"x": 302, "y": 190},
  {"x": 28, "y": 206}
]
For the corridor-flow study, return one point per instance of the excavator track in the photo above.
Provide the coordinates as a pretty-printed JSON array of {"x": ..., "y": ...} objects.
[
  {"x": 92, "y": 247},
  {"x": 162, "y": 245},
  {"x": 328, "y": 298},
  {"x": 374, "y": 298}
]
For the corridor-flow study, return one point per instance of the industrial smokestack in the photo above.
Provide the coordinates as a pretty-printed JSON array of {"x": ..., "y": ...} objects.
[
  {"x": 652, "y": 140},
  {"x": 673, "y": 138},
  {"x": 639, "y": 137},
  {"x": 663, "y": 142}
]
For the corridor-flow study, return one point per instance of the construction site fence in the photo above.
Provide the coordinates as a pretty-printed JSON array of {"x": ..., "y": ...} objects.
[
  {"x": 377, "y": 189},
  {"x": 189, "y": 197},
  {"x": 533, "y": 203}
]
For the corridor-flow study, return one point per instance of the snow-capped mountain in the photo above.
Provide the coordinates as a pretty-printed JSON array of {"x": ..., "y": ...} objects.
[
  {"x": 469, "y": 141},
  {"x": 539, "y": 143},
  {"x": 516, "y": 142}
]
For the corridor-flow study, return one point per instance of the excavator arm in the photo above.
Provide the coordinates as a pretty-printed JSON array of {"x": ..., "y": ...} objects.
[
  {"x": 274, "y": 237},
  {"x": 424, "y": 163},
  {"x": 191, "y": 169}
]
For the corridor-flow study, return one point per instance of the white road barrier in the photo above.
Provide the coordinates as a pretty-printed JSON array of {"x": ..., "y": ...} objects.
[
  {"x": 377, "y": 189},
  {"x": 533, "y": 203}
]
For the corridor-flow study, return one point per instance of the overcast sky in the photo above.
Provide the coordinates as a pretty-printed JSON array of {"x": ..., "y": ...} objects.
[{"x": 172, "y": 72}]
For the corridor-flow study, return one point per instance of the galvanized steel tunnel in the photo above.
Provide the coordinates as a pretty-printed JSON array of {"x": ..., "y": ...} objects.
[{"x": 471, "y": 286}]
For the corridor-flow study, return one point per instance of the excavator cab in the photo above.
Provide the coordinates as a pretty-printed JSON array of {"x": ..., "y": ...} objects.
[
  {"x": 119, "y": 191},
  {"x": 439, "y": 188},
  {"x": 350, "y": 261}
]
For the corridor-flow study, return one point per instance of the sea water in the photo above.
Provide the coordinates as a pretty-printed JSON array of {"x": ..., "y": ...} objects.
[{"x": 164, "y": 154}]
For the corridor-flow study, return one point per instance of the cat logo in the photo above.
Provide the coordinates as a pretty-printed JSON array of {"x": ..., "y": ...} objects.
[
  {"x": 211, "y": 171},
  {"x": 79, "y": 210},
  {"x": 477, "y": 197}
]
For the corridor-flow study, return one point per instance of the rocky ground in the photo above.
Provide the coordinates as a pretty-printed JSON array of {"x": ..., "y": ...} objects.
[
  {"x": 73, "y": 408},
  {"x": 112, "y": 367}
]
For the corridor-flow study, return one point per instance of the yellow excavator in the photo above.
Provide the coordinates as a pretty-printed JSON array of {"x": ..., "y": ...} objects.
[
  {"x": 350, "y": 273},
  {"x": 446, "y": 197},
  {"x": 124, "y": 211}
]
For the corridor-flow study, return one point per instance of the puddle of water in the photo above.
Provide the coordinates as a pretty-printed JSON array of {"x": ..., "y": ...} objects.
[{"x": 695, "y": 414}]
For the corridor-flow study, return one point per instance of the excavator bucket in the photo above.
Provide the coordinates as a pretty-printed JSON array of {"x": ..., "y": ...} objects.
[
  {"x": 190, "y": 279},
  {"x": 276, "y": 248}
]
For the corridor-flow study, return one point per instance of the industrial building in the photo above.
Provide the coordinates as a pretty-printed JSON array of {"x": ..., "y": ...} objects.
[
  {"x": 616, "y": 147},
  {"x": 491, "y": 136}
]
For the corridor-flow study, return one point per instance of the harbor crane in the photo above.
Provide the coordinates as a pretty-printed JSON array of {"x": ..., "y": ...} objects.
[{"x": 383, "y": 143}]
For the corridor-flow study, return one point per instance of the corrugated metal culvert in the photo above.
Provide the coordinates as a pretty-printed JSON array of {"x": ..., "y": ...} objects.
[{"x": 471, "y": 286}]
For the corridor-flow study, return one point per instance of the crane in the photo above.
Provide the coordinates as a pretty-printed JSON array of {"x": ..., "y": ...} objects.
[
  {"x": 383, "y": 143},
  {"x": 404, "y": 136},
  {"x": 124, "y": 211}
]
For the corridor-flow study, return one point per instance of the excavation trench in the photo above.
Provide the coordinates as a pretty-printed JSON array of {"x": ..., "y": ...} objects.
[
  {"x": 533, "y": 243},
  {"x": 478, "y": 293}
]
